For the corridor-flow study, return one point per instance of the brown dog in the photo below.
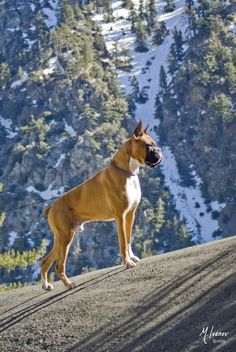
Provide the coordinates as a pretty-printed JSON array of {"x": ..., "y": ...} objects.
[{"x": 112, "y": 194}]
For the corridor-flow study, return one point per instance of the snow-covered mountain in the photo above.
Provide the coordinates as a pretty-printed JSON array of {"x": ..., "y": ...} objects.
[{"x": 146, "y": 68}]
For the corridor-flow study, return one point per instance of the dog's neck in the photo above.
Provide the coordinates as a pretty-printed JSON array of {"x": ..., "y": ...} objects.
[
  {"x": 134, "y": 165},
  {"x": 124, "y": 159}
]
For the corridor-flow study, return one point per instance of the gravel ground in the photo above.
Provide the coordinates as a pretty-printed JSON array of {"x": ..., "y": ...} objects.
[{"x": 161, "y": 305}]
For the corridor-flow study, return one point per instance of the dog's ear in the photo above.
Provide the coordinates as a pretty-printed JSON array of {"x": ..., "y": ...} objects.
[
  {"x": 138, "y": 132},
  {"x": 145, "y": 131}
]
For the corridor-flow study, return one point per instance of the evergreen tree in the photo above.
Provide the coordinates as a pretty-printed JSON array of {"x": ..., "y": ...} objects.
[
  {"x": 172, "y": 60},
  {"x": 192, "y": 21},
  {"x": 116, "y": 53},
  {"x": 151, "y": 13},
  {"x": 133, "y": 17},
  {"x": 2, "y": 216},
  {"x": 87, "y": 52},
  {"x": 163, "y": 78},
  {"x": 67, "y": 13},
  {"x": 12, "y": 259},
  {"x": 160, "y": 33},
  {"x": 203, "y": 8},
  {"x": 170, "y": 6},
  {"x": 160, "y": 215},
  {"x": 178, "y": 41},
  {"x": 127, "y": 4},
  {"x": 4, "y": 75},
  {"x": 143, "y": 96},
  {"x": 141, "y": 10},
  {"x": 20, "y": 72},
  {"x": 159, "y": 114},
  {"x": 99, "y": 42},
  {"x": 135, "y": 88},
  {"x": 221, "y": 110},
  {"x": 121, "y": 57},
  {"x": 189, "y": 3},
  {"x": 141, "y": 36},
  {"x": 108, "y": 17}
]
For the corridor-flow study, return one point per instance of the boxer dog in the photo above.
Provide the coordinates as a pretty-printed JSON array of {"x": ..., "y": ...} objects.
[{"x": 112, "y": 194}]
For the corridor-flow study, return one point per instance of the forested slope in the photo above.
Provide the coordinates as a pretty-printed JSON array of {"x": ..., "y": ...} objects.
[{"x": 62, "y": 116}]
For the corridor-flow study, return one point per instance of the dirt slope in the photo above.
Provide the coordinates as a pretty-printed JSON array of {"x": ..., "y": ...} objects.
[{"x": 161, "y": 305}]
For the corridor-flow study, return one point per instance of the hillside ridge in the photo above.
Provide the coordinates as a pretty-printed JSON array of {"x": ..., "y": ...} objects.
[{"x": 163, "y": 304}]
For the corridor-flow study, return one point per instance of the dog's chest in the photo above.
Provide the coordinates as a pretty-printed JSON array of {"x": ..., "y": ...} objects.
[{"x": 133, "y": 191}]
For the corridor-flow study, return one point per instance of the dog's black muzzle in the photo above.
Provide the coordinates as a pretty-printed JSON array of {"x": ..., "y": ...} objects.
[{"x": 154, "y": 155}]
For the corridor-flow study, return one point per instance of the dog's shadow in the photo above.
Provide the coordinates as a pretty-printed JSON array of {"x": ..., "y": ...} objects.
[{"x": 16, "y": 316}]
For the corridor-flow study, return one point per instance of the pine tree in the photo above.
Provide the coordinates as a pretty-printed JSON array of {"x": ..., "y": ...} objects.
[
  {"x": 163, "y": 78},
  {"x": 2, "y": 216},
  {"x": 133, "y": 18},
  {"x": 178, "y": 42},
  {"x": 172, "y": 60},
  {"x": 192, "y": 21},
  {"x": 160, "y": 33},
  {"x": 127, "y": 3},
  {"x": 87, "y": 52},
  {"x": 189, "y": 3},
  {"x": 203, "y": 8},
  {"x": 170, "y": 6},
  {"x": 141, "y": 10},
  {"x": 99, "y": 42},
  {"x": 160, "y": 215},
  {"x": 108, "y": 17},
  {"x": 151, "y": 13},
  {"x": 4, "y": 75},
  {"x": 20, "y": 72},
  {"x": 67, "y": 13},
  {"x": 116, "y": 53},
  {"x": 141, "y": 36},
  {"x": 135, "y": 88},
  {"x": 12, "y": 259},
  {"x": 159, "y": 114},
  {"x": 121, "y": 57}
]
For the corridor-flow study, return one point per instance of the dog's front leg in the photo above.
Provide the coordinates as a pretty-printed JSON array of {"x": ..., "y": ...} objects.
[
  {"x": 129, "y": 226},
  {"x": 121, "y": 230}
]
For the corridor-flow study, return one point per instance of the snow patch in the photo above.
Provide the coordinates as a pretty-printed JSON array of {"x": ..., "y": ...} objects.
[
  {"x": 48, "y": 193},
  {"x": 62, "y": 157},
  {"x": 51, "y": 14},
  {"x": 232, "y": 27},
  {"x": 186, "y": 199},
  {"x": 33, "y": 7},
  {"x": 52, "y": 65},
  {"x": 12, "y": 238},
  {"x": 19, "y": 82},
  {"x": 13, "y": 29},
  {"x": 36, "y": 269},
  {"x": 70, "y": 130},
  {"x": 6, "y": 123}
]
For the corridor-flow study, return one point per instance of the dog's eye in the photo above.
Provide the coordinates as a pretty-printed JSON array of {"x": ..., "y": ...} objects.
[{"x": 151, "y": 148}]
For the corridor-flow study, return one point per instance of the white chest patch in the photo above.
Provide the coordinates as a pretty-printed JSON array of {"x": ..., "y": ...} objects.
[{"x": 133, "y": 192}]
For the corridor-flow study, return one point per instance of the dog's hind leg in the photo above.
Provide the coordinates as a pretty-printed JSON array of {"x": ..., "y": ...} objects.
[
  {"x": 63, "y": 250},
  {"x": 129, "y": 225},
  {"x": 45, "y": 266}
]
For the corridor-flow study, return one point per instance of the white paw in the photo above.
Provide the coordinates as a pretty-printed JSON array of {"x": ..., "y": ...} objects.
[
  {"x": 130, "y": 264},
  {"x": 70, "y": 285},
  {"x": 48, "y": 287},
  {"x": 135, "y": 259}
]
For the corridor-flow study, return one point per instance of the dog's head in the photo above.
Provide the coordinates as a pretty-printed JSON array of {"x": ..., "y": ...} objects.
[{"x": 144, "y": 148}]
